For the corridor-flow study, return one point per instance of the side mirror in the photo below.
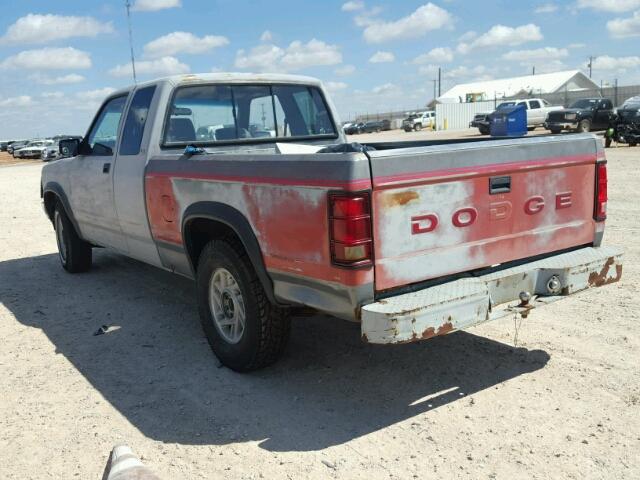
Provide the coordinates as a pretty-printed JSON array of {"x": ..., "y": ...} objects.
[{"x": 69, "y": 147}]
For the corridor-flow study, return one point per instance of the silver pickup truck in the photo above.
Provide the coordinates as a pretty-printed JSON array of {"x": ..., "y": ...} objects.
[{"x": 245, "y": 184}]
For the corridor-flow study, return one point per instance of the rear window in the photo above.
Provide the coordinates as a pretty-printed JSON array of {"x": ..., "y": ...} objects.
[{"x": 240, "y": 113}]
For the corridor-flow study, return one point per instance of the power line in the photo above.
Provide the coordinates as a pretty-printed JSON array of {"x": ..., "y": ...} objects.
[{"x": 133, "y": 61}]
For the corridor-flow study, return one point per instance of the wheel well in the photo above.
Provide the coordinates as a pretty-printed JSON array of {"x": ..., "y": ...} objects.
[
  {"x": 200, "y": 231},
  {"x": 50, "y": 200}
]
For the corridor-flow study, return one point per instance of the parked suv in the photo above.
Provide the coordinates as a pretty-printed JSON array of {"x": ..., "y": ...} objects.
[
  {"x": 376, "y": 126},
  {"x": 582, "y": 116}
]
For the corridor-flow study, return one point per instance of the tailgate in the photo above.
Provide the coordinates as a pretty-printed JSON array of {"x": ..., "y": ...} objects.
[{"x": 447, "y": 209}]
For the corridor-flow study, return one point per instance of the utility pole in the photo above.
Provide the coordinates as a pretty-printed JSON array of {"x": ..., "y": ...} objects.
[
  {"x": 439, "y": 82},
  {"x": 533, "y": 71},
  {"x": 133, "y": 61},
  {"x": 590, "y": 65},
  {"x": 435, "y": 81}
]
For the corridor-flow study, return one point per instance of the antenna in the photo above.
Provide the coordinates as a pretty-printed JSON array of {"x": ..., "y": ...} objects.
[{"x": 133, "y": 61}]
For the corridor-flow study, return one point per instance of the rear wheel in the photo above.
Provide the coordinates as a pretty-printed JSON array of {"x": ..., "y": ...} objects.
[
  {"x": 417, "y": 127},
  {"x": 244, "y": 330},
  {"x": 632, "y": 144},
  {"x": 607, "y": 142},
  {"x": 75, "y": 254},
  {"x": 555, "y": 131},
  {"x": 483, "y": 130},
  {"x": 584, "y": 126}
]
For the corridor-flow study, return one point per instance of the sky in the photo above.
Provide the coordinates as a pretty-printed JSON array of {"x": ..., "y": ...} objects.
[{"x": 58, "y": 60}]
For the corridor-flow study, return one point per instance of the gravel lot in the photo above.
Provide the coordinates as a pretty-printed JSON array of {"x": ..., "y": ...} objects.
[{"x": 564, "y": 403}]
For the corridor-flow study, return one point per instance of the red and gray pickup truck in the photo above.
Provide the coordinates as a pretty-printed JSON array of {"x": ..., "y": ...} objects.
[{"x": 246, "y": 184}]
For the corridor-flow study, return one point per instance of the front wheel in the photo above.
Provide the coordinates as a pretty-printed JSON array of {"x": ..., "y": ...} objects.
[
  {"x": 607, "y": 142},
  {"x": 75, "y": 254},
  {"x": 584, "y": 126},
  {"x": 244, "y": 329}
]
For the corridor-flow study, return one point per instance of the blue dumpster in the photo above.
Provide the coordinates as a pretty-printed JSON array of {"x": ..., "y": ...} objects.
[{"x": 509, "y": 122}]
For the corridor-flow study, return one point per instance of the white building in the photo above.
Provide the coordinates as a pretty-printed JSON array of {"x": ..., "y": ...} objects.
[{"x": 571, "y": 80}]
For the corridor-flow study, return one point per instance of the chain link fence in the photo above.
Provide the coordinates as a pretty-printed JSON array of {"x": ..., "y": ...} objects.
[{"x": 617, "y": 94}]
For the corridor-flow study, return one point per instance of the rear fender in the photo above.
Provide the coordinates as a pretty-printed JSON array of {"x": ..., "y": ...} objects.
[{"x": 235, "y": 220}]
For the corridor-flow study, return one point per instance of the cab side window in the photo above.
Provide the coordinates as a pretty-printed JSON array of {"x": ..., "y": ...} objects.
[
  {"x": 136, "y": 120},
  {"x": 526, "y": 107},
  {"x": 534, "y": 104},
  {"x": 103, "y": 136}
]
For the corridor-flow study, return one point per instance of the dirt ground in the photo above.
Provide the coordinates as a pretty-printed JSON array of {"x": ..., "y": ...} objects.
[
  {"x": 6, "y": 159},
  {"x": 564, "y": 403}
]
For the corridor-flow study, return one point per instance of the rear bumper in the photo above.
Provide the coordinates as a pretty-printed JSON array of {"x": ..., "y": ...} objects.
[{"x": 466, "y": 302}]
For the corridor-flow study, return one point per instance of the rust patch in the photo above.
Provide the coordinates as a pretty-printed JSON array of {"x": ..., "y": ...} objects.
[
  {"x": 428, "y": 333},
  {"x": 445, "y": 328},
  {"x": 400, "y": 198},
  {"x": 599, "y": 279},
  {"x": 442, "y": 330}
]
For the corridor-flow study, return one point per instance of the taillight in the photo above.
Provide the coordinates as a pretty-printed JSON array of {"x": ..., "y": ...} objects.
[
  {"x": 350, "y": 229},
  {"x": 600, "y": 212}
]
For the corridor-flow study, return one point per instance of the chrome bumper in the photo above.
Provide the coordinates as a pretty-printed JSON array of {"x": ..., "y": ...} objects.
[{"x": 469, "y": 301}]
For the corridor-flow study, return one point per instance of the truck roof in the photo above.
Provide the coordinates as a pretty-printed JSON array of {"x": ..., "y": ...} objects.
[{"x": 227, "y": 77}]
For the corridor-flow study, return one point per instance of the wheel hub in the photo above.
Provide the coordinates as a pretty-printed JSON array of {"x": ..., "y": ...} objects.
[{"x": 226, "y": 305}]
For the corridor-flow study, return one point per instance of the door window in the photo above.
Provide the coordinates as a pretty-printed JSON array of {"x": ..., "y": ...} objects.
[
  {"x": 103, "y": 136},
  {"x": 534, "y": 104},
  {"x": 136, "y": 120},
  {"x": 525, "y": 105}
]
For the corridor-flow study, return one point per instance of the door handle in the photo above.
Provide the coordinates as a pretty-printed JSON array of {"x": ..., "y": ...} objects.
[
  {"x": 499, "y": 185},
  {"x": 106, "y": 167}
]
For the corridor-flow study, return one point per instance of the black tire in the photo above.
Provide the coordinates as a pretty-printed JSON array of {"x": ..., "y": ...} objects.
[
  {"x": 266, "y": 327},
  {"x": 584, "y": 126},
  {"x": 530, "y": 129},
  {"x": 417, "y": 127},
  {"x": 607, "y": 142},
  {"x": 555, "y": 131},
  {"x": 378, "y": 130},
  {"x": 632, "y": 144},
  {"x": 483, "y": 130},
  {"x": 75, "y": 254}
]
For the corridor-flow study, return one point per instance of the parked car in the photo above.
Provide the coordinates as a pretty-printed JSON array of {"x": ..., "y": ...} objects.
[
  {"x": 583, "y": 115},
  {"x": 376, "y": 126},
  {"x": 50, "y": 152},
  {"x": 346, "y": 125},
  {"x": 16, "y": 145},
  {"x": 394, "y": 238},
  {"x": 624, "y": 126},
  {"x": 418, "y": 121},
  {"x": 33, "y": 149},
  {"x": 537, "y": 111},
  {"x": 354, "y": 129},
  {"x": 3, "y": 145}
]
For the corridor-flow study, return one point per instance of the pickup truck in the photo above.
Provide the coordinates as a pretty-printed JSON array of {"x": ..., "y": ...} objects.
[
  {"x": 410, "y": 239},
  {"x": 537, "y": 111},
  {"x": 583, "y": 115},
  {"x": 417, "y": 121}
]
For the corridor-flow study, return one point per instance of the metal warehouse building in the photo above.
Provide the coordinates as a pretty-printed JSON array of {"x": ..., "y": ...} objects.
[{"x": 456, "y": 107}]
